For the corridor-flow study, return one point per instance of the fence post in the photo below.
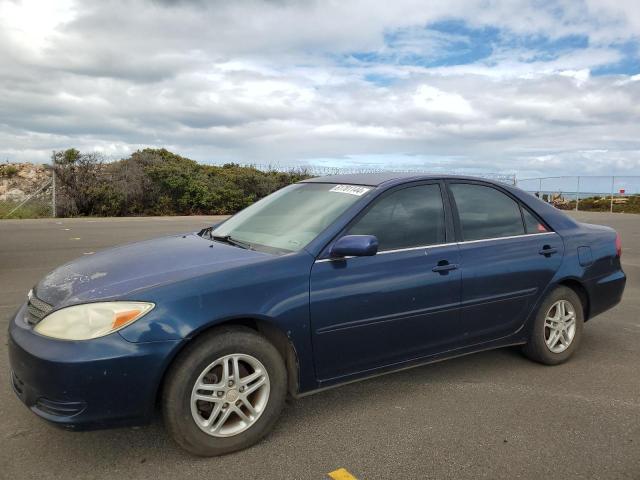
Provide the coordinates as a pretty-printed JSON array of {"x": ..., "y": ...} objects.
[
  {"x": 578, "y": 193},
  {"x": 612, "y": 185},
  {"x": 53, "y": 192},
  {"x": 540, "y": 186}
]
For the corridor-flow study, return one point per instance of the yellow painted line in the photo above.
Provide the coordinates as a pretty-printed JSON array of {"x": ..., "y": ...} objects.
[{"x": 341, "y": 474}]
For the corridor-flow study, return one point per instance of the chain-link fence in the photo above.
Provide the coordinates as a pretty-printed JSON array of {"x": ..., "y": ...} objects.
[
  {"x": 320, "y": 171},
  {"x": 29, "y": 191},
  {"x": 26, "y": 191},
  {"x": 587, "y": 193}
]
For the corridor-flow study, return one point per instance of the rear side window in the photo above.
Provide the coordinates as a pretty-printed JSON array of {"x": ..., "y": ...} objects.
[
  {"x": 531, "y": 223},
  {"x": 486, "y": 212},
  {"x": 406, "y": 218}
]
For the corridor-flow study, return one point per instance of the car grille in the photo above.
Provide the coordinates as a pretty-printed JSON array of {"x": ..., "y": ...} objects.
[{"x": 37, "y": 309}]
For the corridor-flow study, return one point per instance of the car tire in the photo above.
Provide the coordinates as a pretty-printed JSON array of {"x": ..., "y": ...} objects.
[
  {"x": 185, "y": 417},
  {"x": 545, "y": 329}
]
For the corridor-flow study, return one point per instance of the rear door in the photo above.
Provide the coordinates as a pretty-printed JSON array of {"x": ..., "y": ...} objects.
[
  {"x": 507, "y": 256},
  {"x": 401, "y": 304}
]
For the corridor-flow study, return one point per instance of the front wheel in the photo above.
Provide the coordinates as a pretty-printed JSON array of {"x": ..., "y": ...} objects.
[
  {"x": 557, "y": 329},
  {"x": 224, "y": 392}
]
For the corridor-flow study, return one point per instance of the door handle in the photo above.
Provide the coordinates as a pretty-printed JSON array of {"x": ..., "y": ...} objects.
[
  {"x": 547, "y": 251},
  {"x": 444, "y": 267}
]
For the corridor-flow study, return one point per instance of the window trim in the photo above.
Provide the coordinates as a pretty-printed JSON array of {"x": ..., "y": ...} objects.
[
  {"x": 448, "y": 218},
  {"x": 426, "y": 247},
  {"x": 456, "y": 216}
]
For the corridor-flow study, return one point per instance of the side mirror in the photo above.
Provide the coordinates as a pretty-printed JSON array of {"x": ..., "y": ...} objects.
[{"x": 355, "y": 246}]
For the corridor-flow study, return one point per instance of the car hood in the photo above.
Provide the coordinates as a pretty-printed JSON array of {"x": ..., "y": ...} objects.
[{"x": 124, "y": 270}]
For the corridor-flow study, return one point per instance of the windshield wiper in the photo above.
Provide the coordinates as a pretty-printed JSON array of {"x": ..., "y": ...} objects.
[
  {"x": 231, "y": 241},
  {"x": 205, "y": 231},
  {"x": 224, "y": 238}
]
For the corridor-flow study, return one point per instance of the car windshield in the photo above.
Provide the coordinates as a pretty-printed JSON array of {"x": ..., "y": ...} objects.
[{"x": 287, "y": 220}]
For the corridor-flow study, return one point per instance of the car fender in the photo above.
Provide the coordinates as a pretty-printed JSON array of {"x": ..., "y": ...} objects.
[{"x": 274, "y": 292}]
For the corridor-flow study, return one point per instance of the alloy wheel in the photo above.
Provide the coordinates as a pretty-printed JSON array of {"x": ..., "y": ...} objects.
[
  {"x": 230, "y": 395},
  {"x": 560, "y": 326}
]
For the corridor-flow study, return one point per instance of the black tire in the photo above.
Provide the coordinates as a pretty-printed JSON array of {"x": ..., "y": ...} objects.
[
  {"x": 536, "y": 348},
  {"x": 185, "y": 370}
]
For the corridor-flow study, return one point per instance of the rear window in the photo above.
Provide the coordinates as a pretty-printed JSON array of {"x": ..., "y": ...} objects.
[
  {"x": 485, "y": 212},
  {"x": 531, "y": 223}
]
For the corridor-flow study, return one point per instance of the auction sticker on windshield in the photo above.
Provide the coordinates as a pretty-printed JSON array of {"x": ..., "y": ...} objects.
[{"x": 350, "y": 189}]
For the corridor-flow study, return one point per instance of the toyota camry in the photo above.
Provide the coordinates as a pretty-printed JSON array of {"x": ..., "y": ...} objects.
[{"x": 323, "y": 282}]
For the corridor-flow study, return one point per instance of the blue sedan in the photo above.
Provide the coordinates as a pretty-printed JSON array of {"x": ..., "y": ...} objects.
[{"x": 324, "y": 282}]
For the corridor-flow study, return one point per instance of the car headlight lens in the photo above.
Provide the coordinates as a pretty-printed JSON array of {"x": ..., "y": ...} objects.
[{"x": 91, "y": 320}]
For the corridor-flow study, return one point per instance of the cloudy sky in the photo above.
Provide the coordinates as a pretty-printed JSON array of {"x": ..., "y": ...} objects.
[{"x": 531, "y": 87}]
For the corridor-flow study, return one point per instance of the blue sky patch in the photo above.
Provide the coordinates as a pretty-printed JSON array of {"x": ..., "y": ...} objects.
[
  {"x": 543, "y": 48},
  {"x": 439, "y": 44},
  {"x": 629, "y": 65},
  {"x": 454, "y": 42},
  {"x": 381, "y": 80}
]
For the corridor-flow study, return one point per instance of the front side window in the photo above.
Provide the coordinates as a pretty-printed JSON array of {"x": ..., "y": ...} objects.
[
  {"x": 287, "y": 220},
  {"x": 485, "y": 212},
  {"x": 406, "y": 218}
]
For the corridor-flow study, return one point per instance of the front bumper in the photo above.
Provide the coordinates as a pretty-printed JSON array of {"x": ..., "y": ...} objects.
[{"x": 97, "y": 383}]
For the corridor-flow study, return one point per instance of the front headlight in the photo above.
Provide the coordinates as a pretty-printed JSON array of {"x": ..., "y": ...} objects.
[{"x": 91, "y": 320}]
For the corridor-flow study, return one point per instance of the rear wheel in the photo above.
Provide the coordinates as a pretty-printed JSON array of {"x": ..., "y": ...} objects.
[
  {"x": 224, "y": 392},
  {"x": 557, "y": 329}
]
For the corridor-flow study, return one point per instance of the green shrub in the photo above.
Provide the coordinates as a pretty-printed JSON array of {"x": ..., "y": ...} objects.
[
  {"x": 8, "y": 170},
  {"x": 158, "y": 182}
]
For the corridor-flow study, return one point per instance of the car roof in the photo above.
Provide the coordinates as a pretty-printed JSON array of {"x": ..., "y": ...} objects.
[{"x": 377, "y": 179}]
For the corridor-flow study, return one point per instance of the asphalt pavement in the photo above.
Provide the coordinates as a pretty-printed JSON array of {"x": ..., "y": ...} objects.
[{"x": 489, "y": 415}]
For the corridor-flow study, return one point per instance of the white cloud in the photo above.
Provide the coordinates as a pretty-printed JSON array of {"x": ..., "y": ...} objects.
[
  {"x": 33, "y": 23},
  {"x": 311, "y": 81},
  {"x": 432, "y": 99}
]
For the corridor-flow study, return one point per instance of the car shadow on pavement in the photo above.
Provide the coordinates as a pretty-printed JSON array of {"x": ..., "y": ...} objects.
[{"x": 307, "y": 412}]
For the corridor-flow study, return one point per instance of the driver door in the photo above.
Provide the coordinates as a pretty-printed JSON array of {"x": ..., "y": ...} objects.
[{"x": 398, "y": 305}]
